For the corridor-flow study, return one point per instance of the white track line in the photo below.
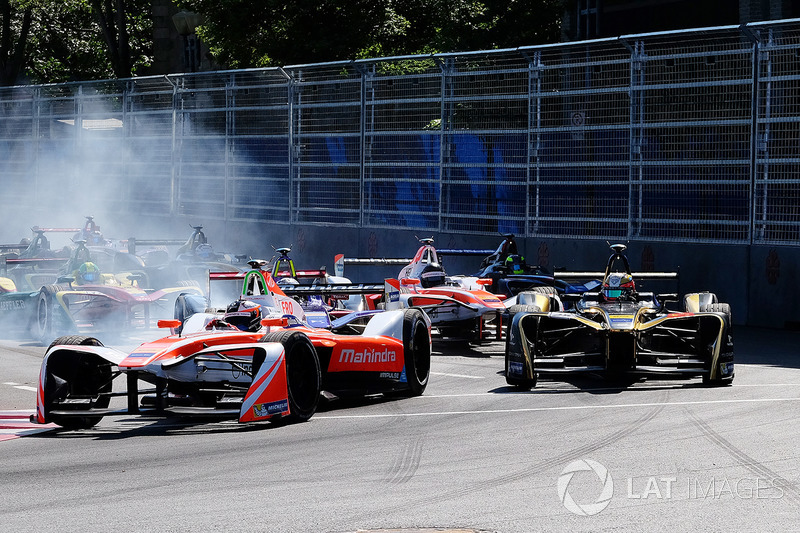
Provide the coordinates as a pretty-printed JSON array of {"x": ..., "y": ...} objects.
[
  {"x": 564, "y": 408},
  {"x": 455, "y": 375},
  {"x": 20, "y": 387}
]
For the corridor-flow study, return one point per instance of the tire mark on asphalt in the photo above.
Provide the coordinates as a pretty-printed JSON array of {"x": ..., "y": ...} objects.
[
  {"x": 557, "y": 461},
  {"x": 790, "y": 489},
  {"x": 406, "y": 463}
]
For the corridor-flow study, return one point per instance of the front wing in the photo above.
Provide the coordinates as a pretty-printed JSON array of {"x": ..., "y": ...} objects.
[{"x": 695, "y": 344}]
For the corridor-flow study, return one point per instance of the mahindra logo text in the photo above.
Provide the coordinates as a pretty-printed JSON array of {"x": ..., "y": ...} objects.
[{"x": 367, "y": 356}]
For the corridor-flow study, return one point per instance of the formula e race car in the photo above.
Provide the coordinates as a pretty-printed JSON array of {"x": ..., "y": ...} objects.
[
  {"x": 467, "y": 313},
  {"x": 81, "y": 298},
  {"x": 510, "y": 274},
  {"x": 256, "y": 360},
  {"x": 619, "y": 332}
]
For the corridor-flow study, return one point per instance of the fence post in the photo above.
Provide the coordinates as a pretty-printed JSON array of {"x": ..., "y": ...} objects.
[{"x": 754, "y": 37}]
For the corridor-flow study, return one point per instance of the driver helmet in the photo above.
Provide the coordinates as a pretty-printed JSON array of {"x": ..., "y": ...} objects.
[
  {"x": 615, "y": 285},
  {"x": 432, "y": 276},
  {"x": 244, "y": 315},
  {"x": 515, "y": 264},
  {"x": 88, "y": 273}
]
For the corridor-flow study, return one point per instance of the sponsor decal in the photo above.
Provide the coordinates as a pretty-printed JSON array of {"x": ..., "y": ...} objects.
[
  {"x": 403, "y": 377},
  {"x": 141, "y": 354},
  {"x": 12, "y": 304},
  {"x": 726, "y": 369},
  {"x": 367, "y": 356},
  {"x": 372, "y": 244},
  {"x": 389, "y": 375},
  {"x": 273, "y": 408},
  {"x": 394, "y": 296},
  {"x": 515, "y": 368},
  {"x": 620, "y": 321},
  {"x": 544, "y": 255},
  {"x": 491, "y": 300},
  {"x": 237, "y": 372}
]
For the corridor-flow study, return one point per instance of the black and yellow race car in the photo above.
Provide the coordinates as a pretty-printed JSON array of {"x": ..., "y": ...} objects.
[{"x": 619, "y": 332}]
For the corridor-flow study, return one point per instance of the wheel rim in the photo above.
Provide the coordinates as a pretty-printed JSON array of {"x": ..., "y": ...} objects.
[{"x": 42, "y": 315}]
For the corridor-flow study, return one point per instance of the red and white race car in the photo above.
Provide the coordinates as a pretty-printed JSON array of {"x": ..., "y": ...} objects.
[
  {"x": 455, "y": 310},
  {"x": 256, "y": 360}
]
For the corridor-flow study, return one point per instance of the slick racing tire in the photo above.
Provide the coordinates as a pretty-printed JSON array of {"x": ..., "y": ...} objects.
[
  {"x": 77, "y": 375},
  {"x": 725, "y": 309},
  {"x": 303, "y": 373},
  {"x": 519, "y": 383},
  {"x": 44, "y": 328},
  {"x": 544, "y": 289},
  {"x": 416, "y": 351},
  {"x": 523, "y": 308}
]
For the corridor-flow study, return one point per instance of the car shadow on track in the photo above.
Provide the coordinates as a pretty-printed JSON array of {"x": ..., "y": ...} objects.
[
  {"x": 129, "y": 427},
  {"x": 118, "y": 427},
  {"x": 600, "y": 385}
]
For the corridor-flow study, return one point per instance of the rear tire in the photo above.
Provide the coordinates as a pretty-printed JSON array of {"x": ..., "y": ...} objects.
[
  {"x": 544, "y": 289},
  {"x": 78, "y": 375},
  {"x": 303, "y": 373},
  {"x": 416, "y": 351},
  {"x": 725, "y": 309},
  {"x": 523, "y": 308}
]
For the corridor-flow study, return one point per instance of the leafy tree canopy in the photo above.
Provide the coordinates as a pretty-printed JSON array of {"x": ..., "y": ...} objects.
[
  {"x": 74, "y": 39},
  {"x": 258, "y": 33}
]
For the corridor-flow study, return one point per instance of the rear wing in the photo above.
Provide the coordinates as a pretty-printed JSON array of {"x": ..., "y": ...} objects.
[
  {"x": 302, "y": 274},
  {"x": 601, "y": 275},
  {"x": 37, "y": 229},
  {"x": 340, "y": 260},
  {"x": 134, "y": 242},
  {"x": 5, "y": 262},
  {"x": 333, "y": 290},
  {"x": 9, "y": 247}
]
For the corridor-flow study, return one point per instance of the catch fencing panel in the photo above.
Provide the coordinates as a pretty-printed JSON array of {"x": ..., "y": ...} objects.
[
  {"x": 776, "y": 202},
  {"x": 687, "y": 136}
]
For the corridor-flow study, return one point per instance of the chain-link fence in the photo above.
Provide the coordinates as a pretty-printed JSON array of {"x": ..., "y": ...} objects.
[{"x": 687, "y": 136}]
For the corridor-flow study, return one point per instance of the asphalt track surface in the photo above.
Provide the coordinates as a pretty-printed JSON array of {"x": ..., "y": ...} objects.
[{"x": 470, "y": 453}]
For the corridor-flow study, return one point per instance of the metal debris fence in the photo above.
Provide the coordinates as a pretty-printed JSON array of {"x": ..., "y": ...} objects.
[{"x": 685, "y": 136}]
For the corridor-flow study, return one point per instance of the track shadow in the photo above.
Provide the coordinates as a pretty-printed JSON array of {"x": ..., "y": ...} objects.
[{"x": 601, "y": 385}]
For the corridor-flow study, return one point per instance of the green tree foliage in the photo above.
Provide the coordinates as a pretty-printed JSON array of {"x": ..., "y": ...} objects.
[
  {"x": 16, "y": 25},
  {"x": 255, "y": 33},
  {"x": 74, "y": 39}
]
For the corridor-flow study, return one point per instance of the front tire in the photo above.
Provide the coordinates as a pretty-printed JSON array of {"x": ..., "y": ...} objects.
[
  {"x": 416, "y": 351},
  {"x": 77, "y": 375},
  {"x": 519, "y": 382},
  {"x": 303, "y": 373},
  {"x": 726, "y": 357}
]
